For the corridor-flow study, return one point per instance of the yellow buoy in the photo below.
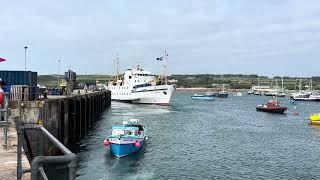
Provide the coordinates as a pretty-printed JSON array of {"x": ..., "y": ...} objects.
[{"x": 315, "y": 117}]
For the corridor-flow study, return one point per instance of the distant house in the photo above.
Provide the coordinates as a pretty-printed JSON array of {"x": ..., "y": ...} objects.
[
  {"x": 173, "y": 81},
  {"x": 260, "y": 88},
  {"x": 190, "y": 78}
]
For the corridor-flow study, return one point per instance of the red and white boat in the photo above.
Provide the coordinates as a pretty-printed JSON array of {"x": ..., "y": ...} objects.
[{"x": 273, "y": 106}]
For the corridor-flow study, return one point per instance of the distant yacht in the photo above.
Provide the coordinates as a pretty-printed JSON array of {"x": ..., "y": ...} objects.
[
  {"x": 140, "y": 86},
  {"x": 223, "y": 93},
  {"x": 308, "y": 95},
  {"x": 275, "y": 92},
  {"x": 257, "y": 93},
  {"x": 250, "y": 92}
]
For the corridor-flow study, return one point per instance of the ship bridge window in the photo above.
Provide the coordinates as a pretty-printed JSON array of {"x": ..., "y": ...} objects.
[{"x": 130, "y": 77}]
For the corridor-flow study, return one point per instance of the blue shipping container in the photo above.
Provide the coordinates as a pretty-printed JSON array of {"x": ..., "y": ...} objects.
[{"x": 20, "y": 78}]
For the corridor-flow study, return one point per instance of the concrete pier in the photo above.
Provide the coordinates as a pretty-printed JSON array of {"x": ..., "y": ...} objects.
[{"x": 68, "y": 118}]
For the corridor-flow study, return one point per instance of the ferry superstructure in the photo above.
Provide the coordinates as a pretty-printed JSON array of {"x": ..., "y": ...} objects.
[{"x": 140, "y": 86}]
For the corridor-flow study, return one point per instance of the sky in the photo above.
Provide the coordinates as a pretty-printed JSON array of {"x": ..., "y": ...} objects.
[{"x": 265, "y": 37}]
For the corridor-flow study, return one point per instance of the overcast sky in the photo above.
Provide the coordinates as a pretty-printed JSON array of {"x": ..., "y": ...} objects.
[{"x": 266, "y": 37}]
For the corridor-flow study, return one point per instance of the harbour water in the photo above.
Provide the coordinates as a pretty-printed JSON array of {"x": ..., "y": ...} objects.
[{"x": 221, "y": 139}]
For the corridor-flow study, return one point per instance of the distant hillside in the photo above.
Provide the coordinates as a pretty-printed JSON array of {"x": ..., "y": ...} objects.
[
  {"x": 234, "y": 81},
  {"x": 239, "y": 81},
  {"x": 52, "y": 80},
  {"x": 48, "y": 80}
]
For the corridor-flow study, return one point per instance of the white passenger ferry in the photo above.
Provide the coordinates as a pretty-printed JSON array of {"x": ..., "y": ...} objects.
[{"x": 140, "y": 86}]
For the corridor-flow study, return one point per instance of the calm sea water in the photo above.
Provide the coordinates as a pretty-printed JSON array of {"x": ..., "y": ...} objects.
[{"x": 221, "y": 139}]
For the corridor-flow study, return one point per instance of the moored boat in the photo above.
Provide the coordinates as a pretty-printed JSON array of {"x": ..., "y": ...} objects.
[
  {"x": 250, "y": 92},
  {"x": 238, "y": 94},
  {"x": 127, "y": 138},
  {"x": 223, "y": 93},
  {"x": 281, "y": 94},
  {"x": 257, "y": 93},
  {"x": 315, "y": 119},
  {"x": 272, "y": 106},
  {"x": 207, "y": 97},
  {"x": 306, "y": 97},
  {"x": 270, "y": 93},
  {"x": 275, "y": 94}
]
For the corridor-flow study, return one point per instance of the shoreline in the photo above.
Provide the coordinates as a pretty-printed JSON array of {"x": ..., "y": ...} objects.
[{"x": 202, "y": 89}]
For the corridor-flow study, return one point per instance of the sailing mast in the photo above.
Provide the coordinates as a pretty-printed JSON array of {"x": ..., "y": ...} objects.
[
  {"x": 282, "y": 84},
  {"x": 259, "y": 84},
  {"x": 300, "y": 84},
  {"x": 311, "y": 89},
  {"x": 277, "y": 86}
]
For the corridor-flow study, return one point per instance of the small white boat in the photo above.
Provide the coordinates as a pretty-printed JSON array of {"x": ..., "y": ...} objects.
[{"x": 238, "y": 94}]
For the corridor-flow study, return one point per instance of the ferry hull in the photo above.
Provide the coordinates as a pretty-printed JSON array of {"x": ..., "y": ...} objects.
[
  {"x": 159, "y": 95},
  {"x": 121, "y": 150}
]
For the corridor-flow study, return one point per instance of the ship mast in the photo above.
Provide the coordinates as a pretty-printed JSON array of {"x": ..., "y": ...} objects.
[
  {"x": 117, "y": 60},
  {"x": 165, "y": 67}
]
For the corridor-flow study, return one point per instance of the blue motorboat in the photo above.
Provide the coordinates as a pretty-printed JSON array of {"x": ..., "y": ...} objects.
[
  {"x": 207, "y": 97},
  {"x": 127, "y": 138}
]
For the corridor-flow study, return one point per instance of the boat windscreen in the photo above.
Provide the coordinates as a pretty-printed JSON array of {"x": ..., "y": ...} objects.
[{"x": 124, "y": 127}]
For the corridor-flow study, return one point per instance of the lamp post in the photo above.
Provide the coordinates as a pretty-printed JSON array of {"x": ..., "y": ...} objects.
[
  {"x": 59, "y": 72},
  {"x": 25, "y": 58}
]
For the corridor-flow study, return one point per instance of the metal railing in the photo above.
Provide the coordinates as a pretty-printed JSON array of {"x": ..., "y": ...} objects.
[
  {"x": 24, "y": 93},
  {"x": 38, "y": 163}
]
